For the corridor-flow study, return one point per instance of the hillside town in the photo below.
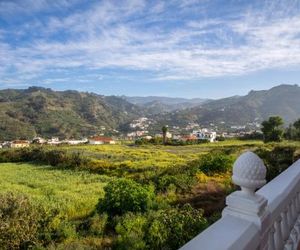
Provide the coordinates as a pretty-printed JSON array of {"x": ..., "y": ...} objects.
[
  {"x": 141, "y": 129},
  {"x": 95, "y": 140}
]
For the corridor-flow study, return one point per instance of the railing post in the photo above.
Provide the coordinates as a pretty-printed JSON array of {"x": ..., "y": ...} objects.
[{"x": 249, "y": 172}]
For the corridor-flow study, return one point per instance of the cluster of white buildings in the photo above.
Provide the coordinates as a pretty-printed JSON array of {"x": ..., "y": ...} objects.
[
  {"x": 141, "y": 126},
  {"x": 141, "y": 123},
  {"x": 138, "y": 133},
  {"x": 205, "y": 134},
  {"x": 94, "y": 140}
]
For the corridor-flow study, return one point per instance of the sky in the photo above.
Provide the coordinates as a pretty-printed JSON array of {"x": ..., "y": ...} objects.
[{"x": 175, "y": 48}]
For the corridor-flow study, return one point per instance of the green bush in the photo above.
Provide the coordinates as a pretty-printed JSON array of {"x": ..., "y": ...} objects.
[
  {"x": 213, "y": 163},
  {"x": 66, "y": 230},
  {"x": 182, "y": 182},
  {"x": 277, "y": 159},
  {"x": 94, "y": 225},
  {"x": 125, "y": 195},
  {"x": 22, "y": 225},
  {"x": 163, "y": 229},
  {"x": 131, "y": 232},
  {"x": 178, "y": 226},
  {"x": 53, "y": 157},
  {"x": 182, "y": 177}
]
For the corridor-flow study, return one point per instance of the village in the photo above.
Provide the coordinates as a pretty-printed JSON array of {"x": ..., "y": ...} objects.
[
  {"x": 194, "y": 136},
  {"x": 142, "y": 128}
]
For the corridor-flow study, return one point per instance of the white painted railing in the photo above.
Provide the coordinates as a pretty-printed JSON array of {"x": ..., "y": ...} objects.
[{"x": 268, "y": 219}]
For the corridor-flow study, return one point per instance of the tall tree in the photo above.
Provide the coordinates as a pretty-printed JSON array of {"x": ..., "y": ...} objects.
[
  {"x": 297, "y": 129},
  {"x": 164, "y": 132},
  {"x": 272, "y": 129},
  {"x": 289, "y": 132}
]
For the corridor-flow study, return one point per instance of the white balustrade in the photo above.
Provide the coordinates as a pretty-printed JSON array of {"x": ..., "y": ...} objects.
[{"x": 268, "y": 219}]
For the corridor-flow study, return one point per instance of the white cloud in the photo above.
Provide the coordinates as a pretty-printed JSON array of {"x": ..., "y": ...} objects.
[{"x": 113, "y": 34}]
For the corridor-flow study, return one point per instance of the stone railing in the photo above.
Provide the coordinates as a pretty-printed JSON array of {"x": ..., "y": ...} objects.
[{"x": 267, "y": 219}]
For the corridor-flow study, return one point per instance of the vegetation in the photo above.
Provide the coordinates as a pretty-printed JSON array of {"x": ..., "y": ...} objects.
[
  {"x": 282, "y": 100},
  {"x": 213, "y": 163},
  {"x": 164, "y": 133},
  {"x": 273, "y": 129},
  {"x": 125, "y": 195},
  {"x": 293, "y": 131},
  {"x": 39, "y": 111},
  {"x": 121, "y": 196},
  {"x": 162, "y": 229},
  {"x": 20, "y": 222}
]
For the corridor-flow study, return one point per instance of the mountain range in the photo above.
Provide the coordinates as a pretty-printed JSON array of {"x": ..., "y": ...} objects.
[
  {"x": 161, "y": 104},
  {"x": 282, "y": 100},
  {"x": 25, "y": 113},
  {"x": 39, "y": 111}
]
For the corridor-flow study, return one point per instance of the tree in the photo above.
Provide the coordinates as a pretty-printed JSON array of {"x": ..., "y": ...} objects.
[
  {"x": 125, "y": 195},
  {"x": 289, "y": 133},
  {"x": 164, "y": 132},
  {"x": 297, "y": 129},
  {"x": 272, "y": 129}
]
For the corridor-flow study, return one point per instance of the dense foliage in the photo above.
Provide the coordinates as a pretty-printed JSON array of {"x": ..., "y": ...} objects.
[
  {"x": 162, "y": 229},
  {"x": 273, "y": 129},
  {"x": 213, "y": 163},
  {"x": 125, "y": 195},
  {"x": 39, "y": 111},
  {"x": 44, "y": 112},
  {"x": 292, "y": 132},
  {"x": 277, "y": 159}
]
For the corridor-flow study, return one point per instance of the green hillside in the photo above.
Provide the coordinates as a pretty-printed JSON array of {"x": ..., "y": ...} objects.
[
  {"x": 39, "y": 111},
  {"x": 283, "y": 100}
]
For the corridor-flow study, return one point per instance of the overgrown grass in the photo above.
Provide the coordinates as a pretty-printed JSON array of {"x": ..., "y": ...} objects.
[
  {"x": 196, "y": 174},
  {"x": 74, "y": 194}
]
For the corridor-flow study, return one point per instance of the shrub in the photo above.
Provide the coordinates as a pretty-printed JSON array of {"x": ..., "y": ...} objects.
[
  {"x": 182, "y": 177},
  {"x": 276, "y": 160},
  {"x": 212, "y": 163},
  {"x": 125, "y": 195},
  {"x": 178, "y": 226},
  {"x": 66, "y": 230},
  {"x": 182, "y": 182},
  {"x": 131, "y": 231},
  {"x": 21, "y": 223},
  {"x": 94, "y": 225},
  {"x": 163, "y": 229}
]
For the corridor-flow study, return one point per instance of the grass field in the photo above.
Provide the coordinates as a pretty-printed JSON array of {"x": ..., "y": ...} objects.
[
  {"x": 75, "y": 194},
  {"x": 154, "y": 155},
  {"x": 174, "y": 173}
]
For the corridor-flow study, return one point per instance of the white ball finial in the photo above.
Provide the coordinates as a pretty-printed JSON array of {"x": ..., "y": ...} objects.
[{"x": 249, "y": 172}]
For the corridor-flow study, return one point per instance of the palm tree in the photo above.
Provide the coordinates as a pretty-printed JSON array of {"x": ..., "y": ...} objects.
[{"x": 164, "y": 132}]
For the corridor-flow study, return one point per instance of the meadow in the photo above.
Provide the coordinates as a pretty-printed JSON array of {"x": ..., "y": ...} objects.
[
  {"x": 79, "y": 187},
  {"x": 74, "y": 193}
]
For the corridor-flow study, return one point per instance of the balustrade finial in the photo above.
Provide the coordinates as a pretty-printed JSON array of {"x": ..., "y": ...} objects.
[{"x": 249, "y": 172}]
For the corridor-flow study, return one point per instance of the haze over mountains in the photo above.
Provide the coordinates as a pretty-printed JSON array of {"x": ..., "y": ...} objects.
[
  {"x": 39, "y": 111},
  {"x": 282, "y": 100},
  {"x": 158, "y": 104}
]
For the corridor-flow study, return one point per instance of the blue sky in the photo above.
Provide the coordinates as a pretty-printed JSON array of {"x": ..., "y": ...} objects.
[{"x": 187, "y": 48}]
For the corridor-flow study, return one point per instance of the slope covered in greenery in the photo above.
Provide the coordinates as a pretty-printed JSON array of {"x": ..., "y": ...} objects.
[
  {"x": 39, "y": 111},
  {"x": 283, "y": 100}
]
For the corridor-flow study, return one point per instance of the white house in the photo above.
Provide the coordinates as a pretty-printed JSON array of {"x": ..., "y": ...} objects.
[
  {"x": 54, "y": 141},
  {"x": 205, "y": 134},
  {"x": 38, "y": 140},
  {"x": 98, "y": 140},
  {"x": 76, "y": 142}
]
